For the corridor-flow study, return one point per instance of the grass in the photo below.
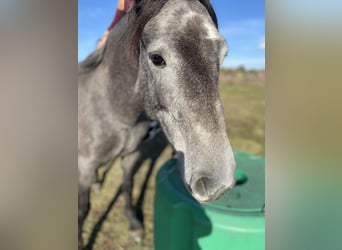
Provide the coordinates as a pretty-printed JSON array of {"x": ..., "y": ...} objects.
[{"x": 244, "y": 107}]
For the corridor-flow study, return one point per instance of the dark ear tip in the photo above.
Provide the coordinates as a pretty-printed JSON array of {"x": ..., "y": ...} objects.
[
  {"x": 137, "y": 6},
  {"x": 138, "y": 9}
]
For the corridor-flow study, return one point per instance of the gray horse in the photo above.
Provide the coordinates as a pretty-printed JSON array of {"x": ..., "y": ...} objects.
[{"x": 163, "y": 59}]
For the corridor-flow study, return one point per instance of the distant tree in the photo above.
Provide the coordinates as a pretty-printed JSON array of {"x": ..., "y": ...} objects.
[
  {"x": 254, "y": 72},
  {"x": 241, "y": 69}
]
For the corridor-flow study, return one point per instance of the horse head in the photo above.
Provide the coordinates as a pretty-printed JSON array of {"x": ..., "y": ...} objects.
[{"x": 180, "y": 51}]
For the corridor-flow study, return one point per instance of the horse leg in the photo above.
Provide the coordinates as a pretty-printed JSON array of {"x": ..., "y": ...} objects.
[
  {"x": 130, "y": 164},
  {"x": 83, "y": 209},
  {"x": 86, "y": 176},
  {"x": 99, "y": 181}
]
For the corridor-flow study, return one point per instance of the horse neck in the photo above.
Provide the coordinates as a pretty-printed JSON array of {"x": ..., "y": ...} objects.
[{"x": 122, "y": 73}]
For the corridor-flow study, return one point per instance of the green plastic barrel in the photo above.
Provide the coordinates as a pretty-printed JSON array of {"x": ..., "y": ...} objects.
[{"x": 235, "y": 222}]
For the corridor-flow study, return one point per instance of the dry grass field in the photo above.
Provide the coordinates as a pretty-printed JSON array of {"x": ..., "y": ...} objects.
[{"x": 244, "y": 105}]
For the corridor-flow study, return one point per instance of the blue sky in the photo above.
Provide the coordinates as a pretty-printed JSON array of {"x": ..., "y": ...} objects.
[{"x": 241, "y": 22}]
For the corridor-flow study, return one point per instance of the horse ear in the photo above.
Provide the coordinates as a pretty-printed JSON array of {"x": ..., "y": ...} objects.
[
  {"x": 211, "y": 11},
  {"x": 135, "y": 3},
  {"x": 137, "y": 6}
]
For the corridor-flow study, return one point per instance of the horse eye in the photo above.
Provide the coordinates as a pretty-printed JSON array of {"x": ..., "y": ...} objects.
[{"x": 157, "y": 60}]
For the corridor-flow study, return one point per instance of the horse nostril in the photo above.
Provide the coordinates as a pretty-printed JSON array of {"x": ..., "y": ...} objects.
[
  {"x": 200, "y": 187},
  {"x": 205, "y": 189}
]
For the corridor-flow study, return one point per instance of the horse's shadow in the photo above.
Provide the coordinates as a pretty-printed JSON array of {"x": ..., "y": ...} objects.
[
  {"x": 98, "y": 225},
  {"x": 189, "y": 240},
  {"x": 150, "y": 150}
]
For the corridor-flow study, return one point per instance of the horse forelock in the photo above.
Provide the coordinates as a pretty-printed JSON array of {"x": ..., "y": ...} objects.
[{"x": 143, "y": 11}]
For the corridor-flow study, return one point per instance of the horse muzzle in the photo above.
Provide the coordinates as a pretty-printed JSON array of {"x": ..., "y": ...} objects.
[{"x": 205, "y": 189}]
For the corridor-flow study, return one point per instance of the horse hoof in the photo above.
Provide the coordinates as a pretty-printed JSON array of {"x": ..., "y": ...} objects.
[{"x": 137, "y": 235}]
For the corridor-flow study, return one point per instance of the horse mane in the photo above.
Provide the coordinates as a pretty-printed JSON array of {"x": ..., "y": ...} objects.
[
  {"x": 143, "y": 12},
  {"x": 93, "y": 60}
]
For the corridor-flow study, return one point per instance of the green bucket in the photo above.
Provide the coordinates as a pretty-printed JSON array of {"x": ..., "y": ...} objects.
[{"x": 235, "y": 222}]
